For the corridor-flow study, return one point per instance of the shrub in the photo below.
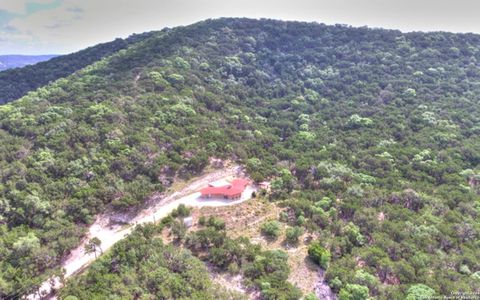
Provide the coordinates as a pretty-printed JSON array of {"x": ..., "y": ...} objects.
[
  {"x": 283, "y": 217},
  {"x": 176, "y": 79},
  {"x": 183, "y": 211},
  {"x": 179, "y": 230},
  {"x": 301, "y": 220},
  {"x": 310, "y": 296},
  {"x": 233, "y": 268},
  {"x": 158, "y": 80},
  {"x": 181, "y": 63},
  {"x": 420, "y": 291},
  {"x": 168, "y": 220},
  {"x": 364, "y": 278},
  {"x": 335, "y": 284},
  {"x": 318, "y": 254},
  {"x": 271, "y": 229},
  {"x": 353, "y": 292},
  {"x": 292, "y": 234},
  {"x": 355, "y": 121},
  {"x": 216, "y": 223}
]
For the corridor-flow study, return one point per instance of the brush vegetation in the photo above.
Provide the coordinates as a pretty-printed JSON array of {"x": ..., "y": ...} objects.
[{"x": 370, "y": 137}]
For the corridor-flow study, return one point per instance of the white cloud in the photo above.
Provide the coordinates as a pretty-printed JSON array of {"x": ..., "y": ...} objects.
[
  {"x": 78, "y": 24},
  {"x": 13, "y": 6},
  {"x": 19, "y": 6}
]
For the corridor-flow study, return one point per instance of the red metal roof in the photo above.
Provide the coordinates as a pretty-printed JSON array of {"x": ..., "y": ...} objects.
[
  {"x": 240, "y": 182},
  {"x": 235, "y": 188}
]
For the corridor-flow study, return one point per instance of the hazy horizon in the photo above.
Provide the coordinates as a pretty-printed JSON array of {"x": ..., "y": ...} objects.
[{"x": 37, "y": 27}]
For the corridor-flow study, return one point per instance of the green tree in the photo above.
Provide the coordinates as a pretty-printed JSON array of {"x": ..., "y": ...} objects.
[
  {"x": 420, "y": 291},
  {"x": 292, "y": 234},
  {"x": 319, "y": 254},
  {"x": 271, "y": 229},
  {"x": 93, "y": 245},
  {"x": 27, "y": 243},
  {"x": 353, "y": 292}
]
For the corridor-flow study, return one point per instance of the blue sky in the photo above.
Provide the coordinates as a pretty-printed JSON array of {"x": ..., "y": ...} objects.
[{"x": 64, "y": 26}]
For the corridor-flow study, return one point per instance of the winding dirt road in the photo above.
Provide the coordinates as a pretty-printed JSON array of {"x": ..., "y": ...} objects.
[{"x": 161, "y": 206}]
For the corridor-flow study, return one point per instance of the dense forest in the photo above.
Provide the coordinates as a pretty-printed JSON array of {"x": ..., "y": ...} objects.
[{"x": 370, "y": 137}]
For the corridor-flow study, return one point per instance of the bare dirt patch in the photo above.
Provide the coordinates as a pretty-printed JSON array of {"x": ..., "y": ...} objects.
[
  {"x": 232, "y": 283},
  {"x": 304, "y": 272},
  {"x": 245, "y": 220},
  {"x": 242, "y": 220}
]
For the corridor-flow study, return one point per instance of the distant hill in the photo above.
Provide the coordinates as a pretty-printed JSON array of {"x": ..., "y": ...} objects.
[
  {"x": 15, "y": 83},
  {"x": 17, "y": 61}
]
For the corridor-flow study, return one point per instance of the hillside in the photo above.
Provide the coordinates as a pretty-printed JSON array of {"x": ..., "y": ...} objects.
[
  {"x": 17, "y": 61},
  {"x": 18, "y": 82},
  {"x": 370, "y": 138}
]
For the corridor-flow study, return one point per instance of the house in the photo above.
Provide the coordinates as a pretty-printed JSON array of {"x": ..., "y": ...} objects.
[{"x": 233, "y": 190}]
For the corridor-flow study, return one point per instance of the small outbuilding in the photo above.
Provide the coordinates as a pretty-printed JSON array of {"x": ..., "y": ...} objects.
[{"x": 188, "y": 222}]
